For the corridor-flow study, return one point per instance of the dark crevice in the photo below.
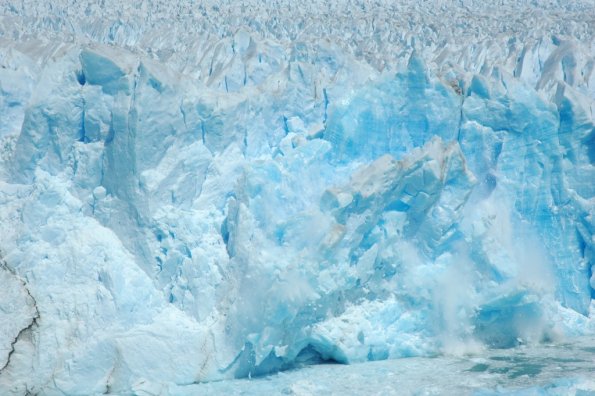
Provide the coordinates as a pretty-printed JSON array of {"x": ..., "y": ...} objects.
[
  {"x": 33, "y": 321},
  {"x": 16, "y": 339},
  {"x": 111, "y": 133},
  {"x": 203, "y": 132},
  {"x": 108, "y": 382},
  {"x": 461, "y": 114},
  {"x": 82, "y": 132},
  {"x": 80, "y": 77},
  {"x": 229, "y": 225}
]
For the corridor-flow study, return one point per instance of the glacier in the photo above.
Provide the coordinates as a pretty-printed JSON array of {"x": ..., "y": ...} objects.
[{"x": 193, "y": 192}]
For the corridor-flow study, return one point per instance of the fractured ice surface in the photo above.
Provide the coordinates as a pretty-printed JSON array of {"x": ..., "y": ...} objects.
[{"x": 196, "y": 202}]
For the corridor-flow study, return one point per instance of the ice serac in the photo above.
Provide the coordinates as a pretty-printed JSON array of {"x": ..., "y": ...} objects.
[
  {"x": 394, "y": 115},
  {"x": 190, "y": 202}
]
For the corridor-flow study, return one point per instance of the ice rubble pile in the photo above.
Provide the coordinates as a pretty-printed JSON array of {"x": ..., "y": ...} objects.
[{"x": 255, "y": 199}]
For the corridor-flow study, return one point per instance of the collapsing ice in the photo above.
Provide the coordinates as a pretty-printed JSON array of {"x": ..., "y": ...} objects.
[{"x": 170, "y": 231}]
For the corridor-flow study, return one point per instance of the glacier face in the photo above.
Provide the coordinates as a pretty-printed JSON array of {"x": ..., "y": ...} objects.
[{"x": 205, "y": 201}]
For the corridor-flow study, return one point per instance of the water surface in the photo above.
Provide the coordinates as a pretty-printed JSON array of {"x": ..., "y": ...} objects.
[{"x": 566, "y": 368}]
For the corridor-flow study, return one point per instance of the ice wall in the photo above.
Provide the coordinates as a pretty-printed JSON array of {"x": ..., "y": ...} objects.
[{"x": 218, "y": 202}]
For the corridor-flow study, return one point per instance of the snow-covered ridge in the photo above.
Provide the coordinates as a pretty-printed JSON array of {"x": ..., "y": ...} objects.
[{"x": 189, "y": 197}]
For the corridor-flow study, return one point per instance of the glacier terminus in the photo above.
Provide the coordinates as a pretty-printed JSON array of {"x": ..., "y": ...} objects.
[{"x": 201, "y": 191}]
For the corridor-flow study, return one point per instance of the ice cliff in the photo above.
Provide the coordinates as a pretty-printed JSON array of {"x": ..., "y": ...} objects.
[{"x": 192, "y": 192}]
